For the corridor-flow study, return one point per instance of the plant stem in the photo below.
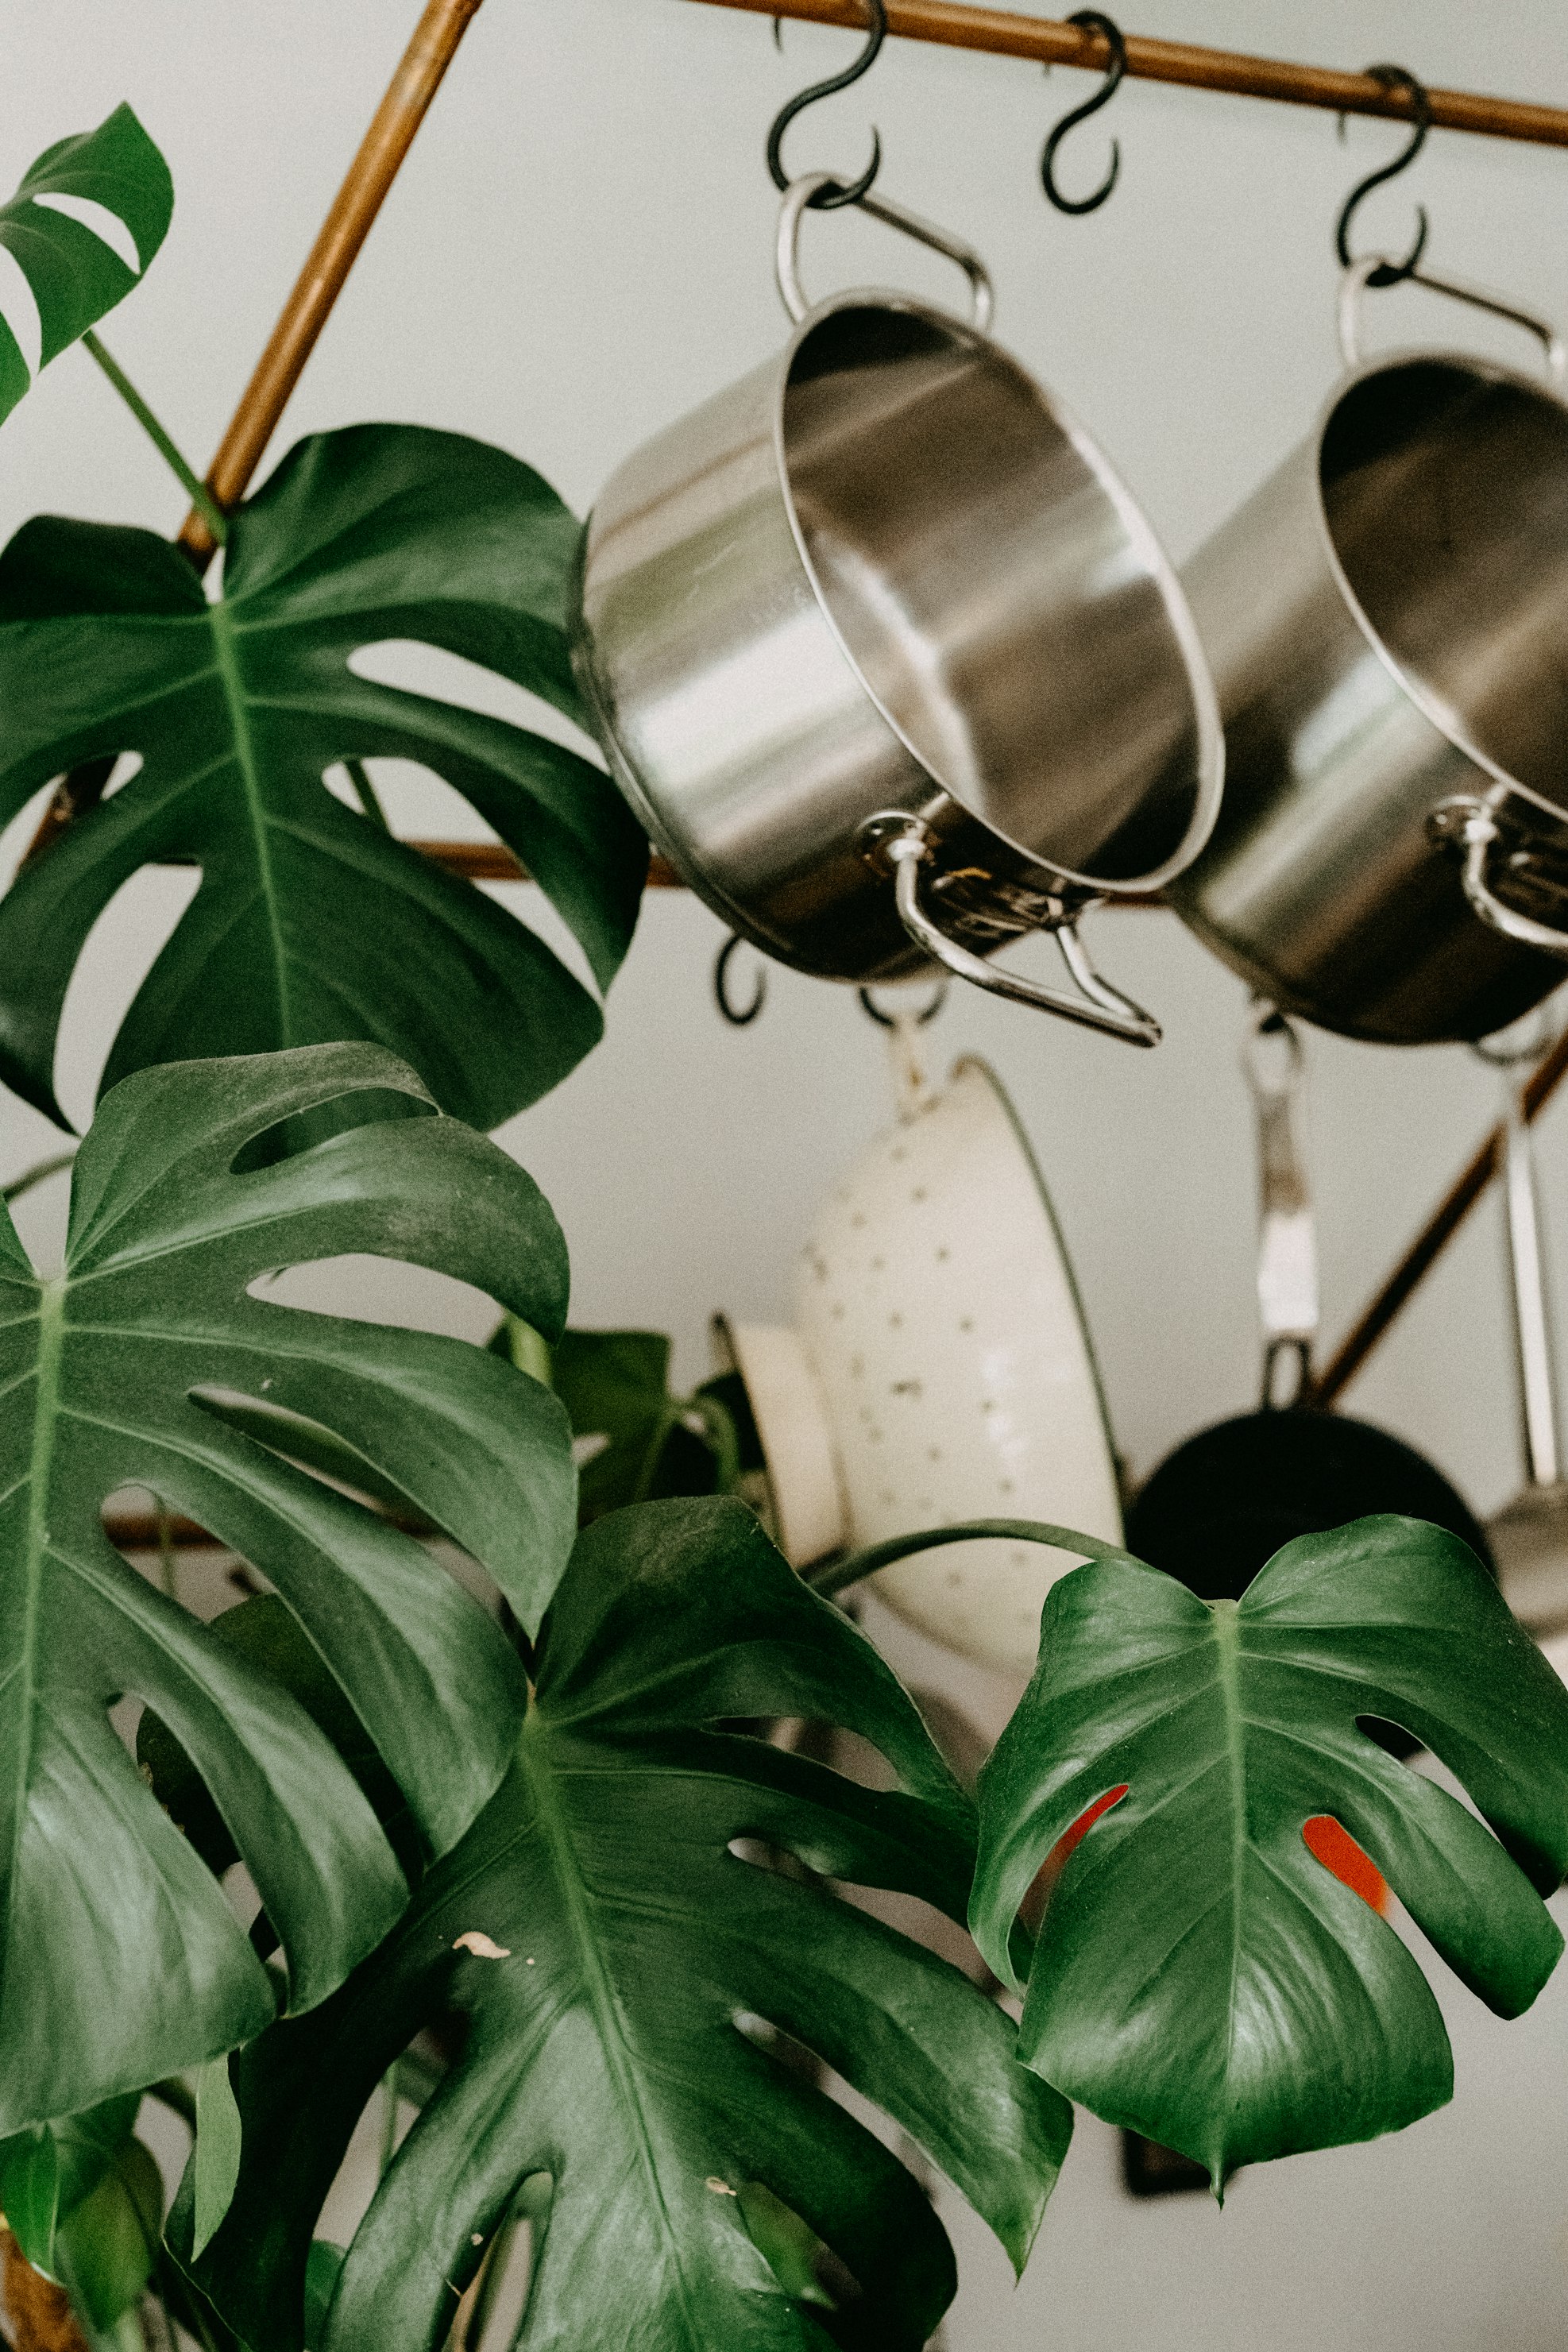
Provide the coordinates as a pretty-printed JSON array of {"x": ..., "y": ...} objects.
[
  {"x": 168, "y": 1572},
  {"x": 388, "y": 2120},
  {"x": 196, "y": 489},
  {"x": 36, "y": 1174},
  {"x": 366, "y": 792}
]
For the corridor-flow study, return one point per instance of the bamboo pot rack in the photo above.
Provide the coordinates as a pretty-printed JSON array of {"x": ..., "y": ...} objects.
[{"x": 995, "y": 32}]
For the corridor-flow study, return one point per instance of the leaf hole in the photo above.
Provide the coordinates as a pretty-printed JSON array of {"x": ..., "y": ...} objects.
[
  {"x": 127, "y": 765},
  {"x": 1330, "y": 1842},
  {"x": 122, "y": 944},
  {"x": 89, "y": 214},
  {"x": 19, "y": 309},
  {"x": 805, "y": 2265},
  {"x": 1392, "y": 1737},
  {"x": 413, "y": 667},
  {"x": 287, "y": 1138}
]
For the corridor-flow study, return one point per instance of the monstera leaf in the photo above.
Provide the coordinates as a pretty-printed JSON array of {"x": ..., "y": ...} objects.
[
  {"x": 624, "y": 1976},
  {"x": 1200, "y": 1975},
  {"x": 120, "y": 1959},
  {"x": 311, "y": 923},
  {"x": 75, "y": 276}
]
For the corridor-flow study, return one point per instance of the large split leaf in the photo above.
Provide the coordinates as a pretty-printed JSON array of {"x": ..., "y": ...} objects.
[
  {"x": 120, "y": 1959},
  {"x": 1201, "y": 1977},
  {"x": 76, "y": 276},
  {"x": 311, "y": 923},
  {"x": 622, "y": 1972}
]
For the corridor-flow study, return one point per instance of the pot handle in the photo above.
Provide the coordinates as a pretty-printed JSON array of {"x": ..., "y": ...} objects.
[
  {"x": 1472, "y": 825},
  {"x": 799, "y": 196},
  {"x": 1354, "y": 283},
  {"x": 1099, "y": 1006}
]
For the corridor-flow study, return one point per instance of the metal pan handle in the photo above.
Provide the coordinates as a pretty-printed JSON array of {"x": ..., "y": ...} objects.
[
  {"x": 1472, "y": 825},
  {"x": 798, "y": 197},
  {"x": 904, "y": 843},
  {"x": 1354, "y": 283},
  {"x": 1532, "y": 1320}
]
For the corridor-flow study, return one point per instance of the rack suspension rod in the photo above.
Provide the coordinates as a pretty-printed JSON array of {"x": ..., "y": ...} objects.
[{"x": 1045, "y": 41}]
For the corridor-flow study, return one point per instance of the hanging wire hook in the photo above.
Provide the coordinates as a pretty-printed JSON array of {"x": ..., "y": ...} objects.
[
  {"x": 739, "y": 1016},
  {"x": 1390, "y": 273},
  {"x": 829, "y": 198},
  {"x": 889, "y": 1020},
  {"x": 1115, "y": 74}
]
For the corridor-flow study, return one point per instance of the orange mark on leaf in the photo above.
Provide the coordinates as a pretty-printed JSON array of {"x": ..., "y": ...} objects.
[
  {"x": 1045, "y": 1881},
  {"x": 1338, "y": 1851}
]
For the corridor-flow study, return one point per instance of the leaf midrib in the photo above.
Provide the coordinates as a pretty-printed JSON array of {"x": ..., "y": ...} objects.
[
  {"x": 226, "y": 657},
  {"x": 576, "y": 1903},
  {"x": 51, "y": 1301},
  {"x": 1227, "y": 1677}
]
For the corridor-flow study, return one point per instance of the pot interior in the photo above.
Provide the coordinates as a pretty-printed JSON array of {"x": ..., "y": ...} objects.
[
  {"x": 996, "y": 589},
  {"x": 1445, "y": 487}
]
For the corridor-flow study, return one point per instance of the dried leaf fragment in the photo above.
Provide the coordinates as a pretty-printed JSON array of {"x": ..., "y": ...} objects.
[{"x": 483, "y": 1947}]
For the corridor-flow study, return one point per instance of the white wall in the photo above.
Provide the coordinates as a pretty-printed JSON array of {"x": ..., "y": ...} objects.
[{"x": 577, "y": 250}]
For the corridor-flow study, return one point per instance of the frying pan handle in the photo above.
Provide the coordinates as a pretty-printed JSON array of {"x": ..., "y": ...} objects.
[
  {"x": 1354, "y": 283},
  {"x": 798, "y": 197},
  {"x": 1097, "y": 1006},
  {"x": 1473, "y": 825},
  {"x": 1532, "y": 1320},
  {"x": 1287, "y": 1235}
]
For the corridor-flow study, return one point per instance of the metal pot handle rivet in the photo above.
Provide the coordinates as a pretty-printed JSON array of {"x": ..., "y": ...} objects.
[
  {"x": 903, "y": 843},
  {"x": 798, "y": 200},
  {"x": 1354, "y": 286},
  {"x": 1473, "y": 826}
]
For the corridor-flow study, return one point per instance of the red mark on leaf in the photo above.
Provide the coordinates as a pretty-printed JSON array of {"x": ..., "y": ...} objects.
[
  {"x": 1338, "y": 1851},
  {"x": 1056, "y": 1861}
]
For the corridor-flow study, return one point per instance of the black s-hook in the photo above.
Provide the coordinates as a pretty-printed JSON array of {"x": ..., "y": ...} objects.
[
  {"x": 829, "y": 199},
  {"x": 1391, "y": 272},
  {"x": 739, "y": 1016},
  {"x": 1115, "y": 74}
]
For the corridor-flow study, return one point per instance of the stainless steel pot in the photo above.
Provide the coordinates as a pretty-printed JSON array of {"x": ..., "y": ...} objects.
[
  {"x": 1387, "y": 621},
  {"x": 888, "y": 661}
]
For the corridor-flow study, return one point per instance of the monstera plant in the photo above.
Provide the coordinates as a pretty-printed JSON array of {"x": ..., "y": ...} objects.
[{"x": 549, "y": 1826}]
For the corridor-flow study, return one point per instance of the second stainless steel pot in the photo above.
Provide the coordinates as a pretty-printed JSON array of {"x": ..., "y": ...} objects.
[
  {"x": 1387, "y": 620},
  {"x": 888, "y": 660}
]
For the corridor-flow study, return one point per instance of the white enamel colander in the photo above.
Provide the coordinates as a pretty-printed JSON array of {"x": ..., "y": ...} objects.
[{"x": 937, "y": 1370}]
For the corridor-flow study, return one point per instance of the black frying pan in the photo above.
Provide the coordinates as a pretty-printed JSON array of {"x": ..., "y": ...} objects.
[{"x": 1223, "y": 1504}]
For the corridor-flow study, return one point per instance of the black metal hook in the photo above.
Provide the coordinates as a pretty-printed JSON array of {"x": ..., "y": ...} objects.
[
  {"x": 1115, "y": 74},
  {"x": 886, "y": 1021},
  {"x": 828, "y": 199},
  {"x": 1390, "y": 273},
  {"x": 738, "y": 1016}
]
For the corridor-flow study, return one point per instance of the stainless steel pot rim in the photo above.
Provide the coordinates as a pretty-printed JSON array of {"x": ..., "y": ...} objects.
[
  {"x": 1208, "y": 727},
  {"x": 1428, "y": 702}
]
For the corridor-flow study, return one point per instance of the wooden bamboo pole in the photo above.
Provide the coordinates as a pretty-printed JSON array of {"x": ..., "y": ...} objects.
[
  {"x": 1045, "y": 41},
  {"x": 344, "y": 232},
  {"x": 1429, "y": 1243}
]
